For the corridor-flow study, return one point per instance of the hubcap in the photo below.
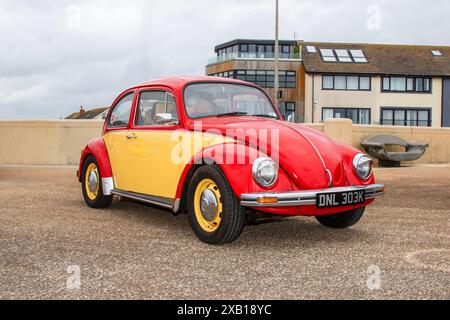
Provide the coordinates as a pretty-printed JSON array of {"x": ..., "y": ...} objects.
[
  {"x": 209, "y": 205},
  {"x": 92, "y": 181}
]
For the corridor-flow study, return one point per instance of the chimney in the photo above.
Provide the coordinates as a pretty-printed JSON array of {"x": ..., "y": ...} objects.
[{"x": 82, "y": 111}]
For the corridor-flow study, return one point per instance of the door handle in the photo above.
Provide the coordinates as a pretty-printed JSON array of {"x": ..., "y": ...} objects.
[{"x": 131, "y": 136}]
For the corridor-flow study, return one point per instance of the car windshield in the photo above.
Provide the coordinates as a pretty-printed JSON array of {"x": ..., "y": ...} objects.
[{"x": 223, "y": 99}]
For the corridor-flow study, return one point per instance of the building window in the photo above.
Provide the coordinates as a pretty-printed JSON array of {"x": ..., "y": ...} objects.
[
  {"x": 285, "y": 49},
  {"x": 328, "y": 82},
  {"x": 226, "y": 74},
  {"x": 358, "y": 56},
  {"x": 338, "y": 82},
  {"x": 436, "y": 53},
  {"x": 416, "y": 117},
  {"x": 311, "y": 49},
  {"x": 406, "y": 84},
  {"x": 288, "y": 110},
  {"x": 343, "y": 55},
  {"x": 357, "y": 115},
  {"x": 266, "y": 78},
  {"x": 328, "y": 55},
  {"x": 352, "y": 83},
  {"x": 364, "y": 83},
  {"x": 252, "y": 48}
]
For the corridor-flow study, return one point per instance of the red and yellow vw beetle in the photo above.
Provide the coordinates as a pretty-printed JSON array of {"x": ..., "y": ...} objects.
[{"x": 219, "y": 150}]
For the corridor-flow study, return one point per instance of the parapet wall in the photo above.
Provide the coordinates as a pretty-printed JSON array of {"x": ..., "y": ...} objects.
[{"x": 59, "y": 142}]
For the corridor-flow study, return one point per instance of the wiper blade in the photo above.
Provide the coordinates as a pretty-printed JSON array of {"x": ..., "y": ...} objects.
[
  {"x": 230, "y": 114},
  {"x": 265, "y": 116}
]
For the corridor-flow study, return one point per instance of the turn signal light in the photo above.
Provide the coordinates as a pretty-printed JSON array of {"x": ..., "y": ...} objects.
[{"x": 266, "y": 200}]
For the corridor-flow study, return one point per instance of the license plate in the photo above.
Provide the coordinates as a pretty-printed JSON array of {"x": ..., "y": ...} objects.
[{"x": 338, "y": 199}]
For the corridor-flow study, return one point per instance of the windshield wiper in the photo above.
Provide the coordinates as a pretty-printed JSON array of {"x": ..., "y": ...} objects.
[
  {"x": 230, "y": 114},
  {"x": 265, "y": 116}
]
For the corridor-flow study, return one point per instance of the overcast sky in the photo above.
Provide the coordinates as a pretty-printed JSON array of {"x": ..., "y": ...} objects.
[{"x": 58, "y": 55}]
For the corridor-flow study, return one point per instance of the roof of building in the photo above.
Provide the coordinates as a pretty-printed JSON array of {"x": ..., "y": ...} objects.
[
  {"x": 252, "y": 41},
  {"x": 381, "y": 59},
  {"x": 90, "y": 114}
]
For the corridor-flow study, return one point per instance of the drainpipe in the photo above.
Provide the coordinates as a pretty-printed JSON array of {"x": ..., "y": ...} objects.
[
  {"x": 277, "y": 55},
  {"x": 313, "y": 98}
]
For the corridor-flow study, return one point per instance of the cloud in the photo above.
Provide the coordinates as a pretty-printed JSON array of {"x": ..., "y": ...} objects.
[{"x": 58, "y": 55}]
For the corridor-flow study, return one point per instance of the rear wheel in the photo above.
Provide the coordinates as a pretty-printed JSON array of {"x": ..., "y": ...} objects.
[
  {"x": 92, "y": 186},
  {"x": 215, "y": 214},
  {"x": 342, "y": 220}
]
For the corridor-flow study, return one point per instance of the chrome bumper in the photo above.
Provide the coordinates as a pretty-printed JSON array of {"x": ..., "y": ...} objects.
[{"x": 303, "y": 198}]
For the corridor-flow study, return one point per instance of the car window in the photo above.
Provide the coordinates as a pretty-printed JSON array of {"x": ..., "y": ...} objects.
[
  {"x": 253, "y": 104},
  {"x": 219, "y": 99},
  {"x": 121, "y": 113},
  {"x": 156, "y": 108}
]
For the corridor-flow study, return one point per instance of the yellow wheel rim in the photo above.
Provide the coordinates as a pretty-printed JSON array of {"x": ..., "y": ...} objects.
[
  {"x": 92, "y": 181},
  {"x": 208, "y": 205}
]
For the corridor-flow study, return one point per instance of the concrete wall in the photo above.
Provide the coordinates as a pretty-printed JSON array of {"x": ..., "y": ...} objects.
[
  {"x": 373, "y": 99},
  {"x": 46, "y": 142},
  {"x": 61, "y": 142}
]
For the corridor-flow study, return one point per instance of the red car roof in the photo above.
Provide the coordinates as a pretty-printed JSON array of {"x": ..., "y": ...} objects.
[{"x": 180, "y": 82}]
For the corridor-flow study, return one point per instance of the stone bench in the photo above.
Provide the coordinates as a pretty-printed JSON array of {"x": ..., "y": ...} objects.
[{"x": 376, "y": 147}]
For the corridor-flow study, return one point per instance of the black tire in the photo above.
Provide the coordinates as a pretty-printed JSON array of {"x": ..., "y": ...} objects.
[
  {"x": 101, "y": 201},
  {"x": 342, "y": 220},
  {"x": 233, "y": 215}
]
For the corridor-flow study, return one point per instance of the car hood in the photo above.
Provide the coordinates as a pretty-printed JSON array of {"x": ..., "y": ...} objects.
[{"x": 305, "y": 154}]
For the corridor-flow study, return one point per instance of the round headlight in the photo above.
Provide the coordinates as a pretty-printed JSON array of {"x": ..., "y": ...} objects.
[
  {"x": 265, "y": 171},
  {"x": 363, "y": 166}
]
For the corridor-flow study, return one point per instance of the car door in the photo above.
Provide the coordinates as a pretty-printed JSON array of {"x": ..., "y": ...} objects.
[
  {"x": 117, "y": 138},
  {"x": 149, "y": 156},
  {"x": 152, "y": 169}
]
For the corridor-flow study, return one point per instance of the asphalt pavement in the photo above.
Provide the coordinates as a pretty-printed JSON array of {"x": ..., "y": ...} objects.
[{"x": 52, "y": 246}]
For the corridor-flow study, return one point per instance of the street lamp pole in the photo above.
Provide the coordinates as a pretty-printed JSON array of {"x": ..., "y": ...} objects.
[{"x": 277, "y": 55}]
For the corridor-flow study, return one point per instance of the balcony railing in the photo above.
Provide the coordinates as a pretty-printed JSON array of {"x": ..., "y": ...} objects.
[{"x": 252, "y": 55}]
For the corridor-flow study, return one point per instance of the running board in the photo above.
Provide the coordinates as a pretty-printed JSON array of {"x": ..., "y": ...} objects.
[{"x": 158, "y": 201}]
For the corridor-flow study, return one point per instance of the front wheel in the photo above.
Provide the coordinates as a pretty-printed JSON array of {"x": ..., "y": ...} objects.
[
  {"x": 215, "y": 214},
  {"x": 342, "y": 220},
  {"x": 91, "y": 184}
]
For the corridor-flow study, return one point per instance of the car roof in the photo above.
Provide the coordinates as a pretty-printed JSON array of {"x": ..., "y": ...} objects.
[{"x": 180, "y": 82}]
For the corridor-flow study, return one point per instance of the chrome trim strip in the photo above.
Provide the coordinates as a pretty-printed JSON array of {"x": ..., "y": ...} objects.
[
  {"x": 107, "y": 185},
  {"x": 162, "y": 202},
  {"x": 305, "y": 198}
]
